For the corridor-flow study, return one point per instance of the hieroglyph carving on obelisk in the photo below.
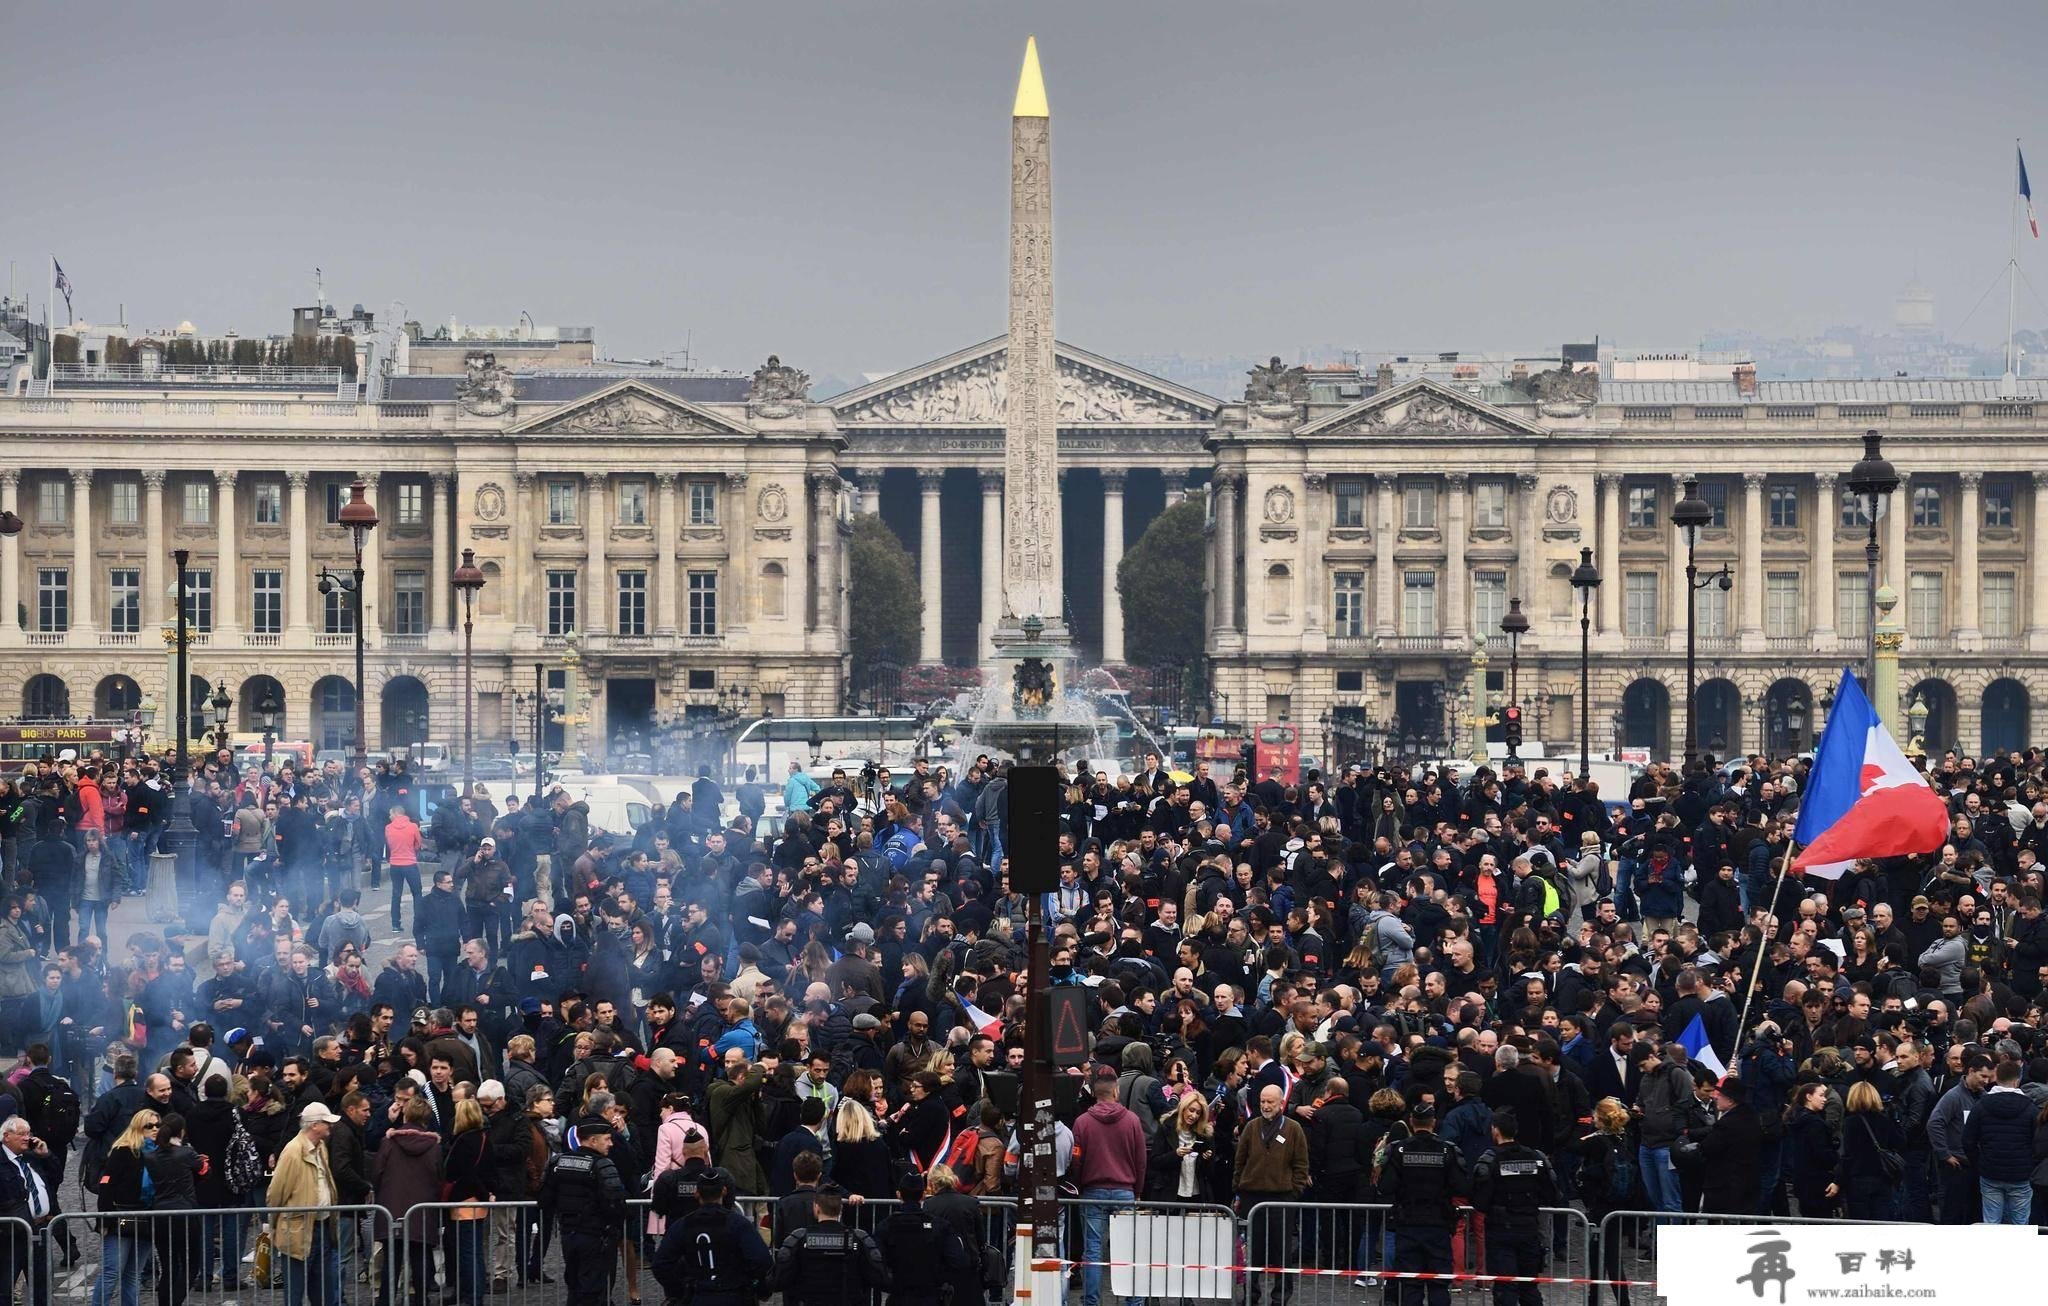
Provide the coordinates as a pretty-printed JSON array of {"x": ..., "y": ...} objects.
[{"x": 1031, "y": 516}]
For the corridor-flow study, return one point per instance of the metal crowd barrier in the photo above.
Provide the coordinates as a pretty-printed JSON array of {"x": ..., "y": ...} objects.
[
  {"x": 1358, "y": 1237},
  {"x": 200, "y": 1252}
]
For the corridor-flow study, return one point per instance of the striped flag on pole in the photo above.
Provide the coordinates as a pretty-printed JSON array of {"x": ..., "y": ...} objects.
[
  {"x": 63, "y": 283},
  {"x": 2027, "y": 194}
]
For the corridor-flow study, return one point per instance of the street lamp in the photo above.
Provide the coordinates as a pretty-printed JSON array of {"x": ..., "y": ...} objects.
[
  {"x": 1916, "y": 720},
  {"x": 10, "y": 523},
  {"x": 358, "y": 517},
  {"x": 1872, "y": 480},
  {"x": 468, "y": 579},
  {"x": 1795, "y": 724},
  {"x": 817, "y": 743},
  {"x": 1691, "y": 515},
  {"x": 180, "y": 835},
  {"x": 1585, "y": 579},
  {"x": 267, "y": 709},
  {"x": 222, "y": 703}
]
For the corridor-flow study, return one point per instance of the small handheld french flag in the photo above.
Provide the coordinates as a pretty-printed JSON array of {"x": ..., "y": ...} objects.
[{"x": 2027, "y": 193}]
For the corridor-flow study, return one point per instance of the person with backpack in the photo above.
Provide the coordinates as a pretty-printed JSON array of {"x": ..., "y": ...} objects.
[
  {"x": 1606, "y": 1180},
  {"x": 217, "y": 1134},
  {"x": 48, "y": 1101}
]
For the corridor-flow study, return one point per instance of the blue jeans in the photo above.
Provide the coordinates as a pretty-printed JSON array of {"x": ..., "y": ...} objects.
[
  {"x": 317, "y": 1279},
  {"x": 1095, "y": 1230},
  {"x": 2006, "y": 1203},
  {"x": 1660, "y": 1179},
  {"x": 1625, "y": 905},
  {"x": 121, "y": 1259},
  {"x": 470, "y": 1278},
  {"x": 228, "y": 1229},
  {"x": 1772, "y": 1167}
]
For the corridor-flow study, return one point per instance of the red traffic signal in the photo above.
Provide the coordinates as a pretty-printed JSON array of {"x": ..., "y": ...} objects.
[{"x": 1511, "y": 726}]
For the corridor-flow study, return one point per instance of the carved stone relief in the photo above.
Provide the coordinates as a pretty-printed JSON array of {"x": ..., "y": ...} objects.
[
  {"x": 490, "y": 501},
  {"x": 976, "y": 394}
]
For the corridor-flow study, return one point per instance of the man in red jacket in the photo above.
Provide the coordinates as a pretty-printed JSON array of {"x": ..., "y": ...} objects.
[{"x": 1109, "y": 1168}]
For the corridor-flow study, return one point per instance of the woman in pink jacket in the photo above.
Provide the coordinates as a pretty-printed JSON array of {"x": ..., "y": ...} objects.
[{"x": 677, "y": 1140}]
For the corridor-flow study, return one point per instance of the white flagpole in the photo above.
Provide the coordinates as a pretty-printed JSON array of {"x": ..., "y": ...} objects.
[
  {"x": 2012, "y": 260},
  {"x": 50, "y": 322}
]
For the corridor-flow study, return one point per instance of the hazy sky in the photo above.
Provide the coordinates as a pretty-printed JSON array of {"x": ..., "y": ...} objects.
[{"x": 828, "y": 181}]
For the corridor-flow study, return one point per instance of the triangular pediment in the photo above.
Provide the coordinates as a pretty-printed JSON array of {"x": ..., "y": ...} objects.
[
  {"x": 1421, "y": 407},
  {"x": 967, "y": 389},
  {"x": 630, "y": 408}
]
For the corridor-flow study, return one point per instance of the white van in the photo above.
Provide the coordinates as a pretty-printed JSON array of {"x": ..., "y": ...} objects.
[{"x": 615, "y": 808}]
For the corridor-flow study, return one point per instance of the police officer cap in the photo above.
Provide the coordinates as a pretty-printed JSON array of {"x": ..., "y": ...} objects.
[
  {"x": 910, "y": 1185},
  {"x": 592, "y": 1128},
  {"x": 1422, "y": 1111},
  {"x": 720, "y": 1178}
]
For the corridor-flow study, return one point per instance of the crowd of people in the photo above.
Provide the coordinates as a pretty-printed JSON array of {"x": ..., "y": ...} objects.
[{"x": 1469, "y": 996}]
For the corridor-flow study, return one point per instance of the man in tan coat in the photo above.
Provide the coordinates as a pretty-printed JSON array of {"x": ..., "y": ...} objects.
[
  {"x": 1271, "y": 1166},
  {"x": 304, "y": 1182}
]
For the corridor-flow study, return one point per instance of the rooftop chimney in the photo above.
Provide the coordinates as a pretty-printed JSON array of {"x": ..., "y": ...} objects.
[
  {"x": 1745, "y": 380},
  {"x": 1385, "y": 379}
]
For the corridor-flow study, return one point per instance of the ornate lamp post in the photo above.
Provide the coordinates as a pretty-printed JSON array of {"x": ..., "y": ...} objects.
[
  {"x": 180, "y": 835},
  {"x": 267, "y": 709},
  {"x": 1692, "y": 514},
  {"x": 222, "y": 703},
  {"x": 1916, "y": 717},
  {"x": 358, "y": 516},
  {"x": 1585, "y": 579},
  {"x": 1874, "y": 481},
  {"x": 468, "y": 579}
]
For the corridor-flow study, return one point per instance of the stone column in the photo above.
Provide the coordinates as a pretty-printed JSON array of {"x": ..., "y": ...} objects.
[
  {"x": 1226, "y": 484},
  {"x": 156, "y": 608},
  {"x": 1112, "y": 553},
  {"x": 1175, "y": 484},
  {"x": 1385, "y": 614},
  {"x": 10, "y": 551},
  {"x": 441, "y": 522},
  {"x": 1611, "y": 579},
  {"x": 825, "y": 488},
  {"x": 525, "y": 570},
  {"x": 991, "y": 559},
  {"x": 1456, "y": 531},
  {"x": 1827, "y": 511},
  {"x": 2037, "y": 566},
  {"x": 867, "y": 495},
  {"x": 665, "y": 553},
  {"x": 739, "y": 581},
  {"x": 596, "y": 531},
  {"x": 1891, "y": 568},
  {"x": 298, "y": 565},
  {"x": 1969, "y": 520},
  {"x": 84, "y": 617},
  {"x": 1529, "y": 532},
  {"x": 930, "y": 576},
  {"x": 1315, "y": 519},
  {"x": 1749, "y": 569},
  {"x": 373, "y": 569},
  {"x": 1676, "y": 573}
]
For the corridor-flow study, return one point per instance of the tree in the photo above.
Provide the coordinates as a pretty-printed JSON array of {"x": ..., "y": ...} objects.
[
  {"x": 882, "y": 590},
  {"x": 1160, "y": 583}
]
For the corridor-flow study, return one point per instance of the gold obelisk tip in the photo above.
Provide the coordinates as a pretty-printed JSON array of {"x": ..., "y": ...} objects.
[{"x": 1031, "y": 86}]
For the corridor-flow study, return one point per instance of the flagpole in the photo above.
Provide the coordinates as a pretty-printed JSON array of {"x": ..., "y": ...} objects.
[
  {"x": 1763, "y": 944},
  {"x": 2012, "y": 259}
]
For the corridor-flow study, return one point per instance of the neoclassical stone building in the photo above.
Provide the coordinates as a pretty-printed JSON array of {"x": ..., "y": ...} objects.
[{"x": 688, "y": 528}]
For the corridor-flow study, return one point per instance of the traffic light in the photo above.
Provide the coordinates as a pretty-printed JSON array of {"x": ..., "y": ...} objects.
[{"x": 1511, "y": 727}]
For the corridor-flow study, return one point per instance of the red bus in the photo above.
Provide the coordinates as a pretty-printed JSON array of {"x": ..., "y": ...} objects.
[
  {"x": 23, "y": 742},
  {"x": 1279, "y": 744}
]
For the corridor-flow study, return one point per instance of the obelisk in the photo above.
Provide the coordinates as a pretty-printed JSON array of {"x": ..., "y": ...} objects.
[{"x": 1031, "y": 512}]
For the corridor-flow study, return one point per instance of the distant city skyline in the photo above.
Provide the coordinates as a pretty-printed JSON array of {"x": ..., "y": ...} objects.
[{"x": 825, "y": 182}]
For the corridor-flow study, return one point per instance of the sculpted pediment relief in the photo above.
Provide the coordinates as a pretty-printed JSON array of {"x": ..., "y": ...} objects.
[
  {"x": 970, "y": 391},
  {"x": 630, "y": 409},
  {"x": 1422, "y": 408}
]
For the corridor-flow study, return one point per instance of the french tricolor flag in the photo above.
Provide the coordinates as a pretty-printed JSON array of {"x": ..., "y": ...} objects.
[
  {"x": 2026, "y": 193},
  {"x": 1863, "y": 798}
]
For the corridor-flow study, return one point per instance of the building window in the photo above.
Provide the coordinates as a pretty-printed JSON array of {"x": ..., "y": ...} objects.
[
  {"x": 1418, "y": 506},
  {"x": 1784, "y": 512},
  {"x": 703, "y": 603},
  {"x": 266, "y": 603},
  {"x": 1852, "y": 605},
  {"x": 124, "y": 503},
  {"x": 1927, "y": 506},
  {"x": 199, "y": 610},
  {"x": 1710, "y": 612},
  {"x": 409, "y": 603},
  {"x": 1418, "y": 603},
  {"x": 561, "y": 616},
  {"x": 1854, "y": 512},
  {"x": 1716, "y": 495},
  {"x": 124, "y": 600},
  {"x": 412, "y": 503},
  {"x": 632, "y": 503},
  {"x": 198, "y": 503},
  {"x": 1999, "y": 497},
  {"x": 703, "y": 504},
  {"x": 1642, "y": 507},
  {"x": 632, "y": 603},
  {"x": 1639, "y": 614},
  {"x": 1923, "y": 605},
  {"x": 1784, "y": 605},
  {"x": 561, "y": 503},
  {"x": 1347, "y": 605},
  {"x": 1997, "y": 611},
  {"x": 337, "y": 612},
  {"x": 1489, "y": 601},
  {"x": 53, "y": 599},
  {"x": 332, "y": 495},
  {"x": 1350, "y": 503},
  {"x": 268, "y": 502},
  {"x": 53, "y": 505}
]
